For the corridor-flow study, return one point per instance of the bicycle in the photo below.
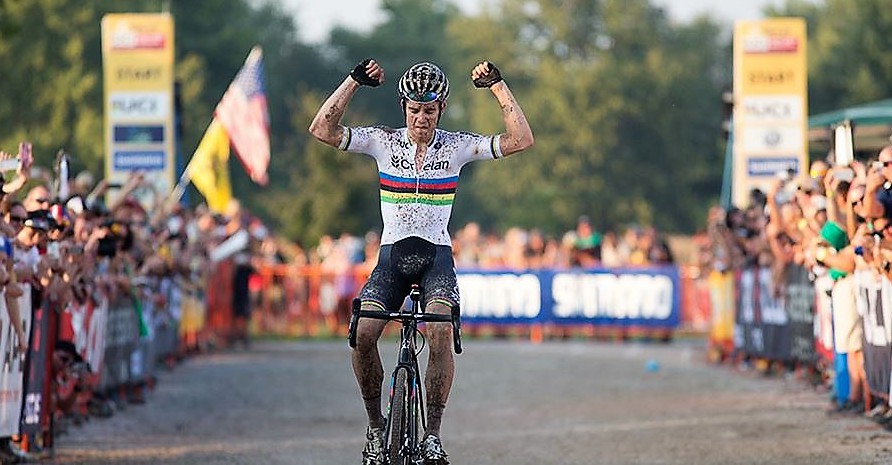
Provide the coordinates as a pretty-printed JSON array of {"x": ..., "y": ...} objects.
[{"x": 405, "y": 416}]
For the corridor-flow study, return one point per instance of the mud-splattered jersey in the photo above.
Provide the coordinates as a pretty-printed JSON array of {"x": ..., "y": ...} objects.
[{"x": 418, "y": 202}]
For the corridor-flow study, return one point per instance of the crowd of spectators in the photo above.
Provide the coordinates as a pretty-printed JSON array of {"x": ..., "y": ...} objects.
[
  {"x": 834, "y": 221},
  {"x": 515, "y": 248},
  {"x": 63, "y": 243}
]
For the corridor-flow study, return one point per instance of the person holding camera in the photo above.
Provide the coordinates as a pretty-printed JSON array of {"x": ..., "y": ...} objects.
[
  {"x": 419, "y": 167},
  {"x": 878, "y": 195}
]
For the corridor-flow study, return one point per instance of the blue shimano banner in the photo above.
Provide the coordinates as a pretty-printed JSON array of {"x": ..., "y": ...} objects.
[{"x": 648, "y": 297}]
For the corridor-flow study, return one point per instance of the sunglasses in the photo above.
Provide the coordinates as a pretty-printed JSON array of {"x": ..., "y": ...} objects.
[
  {"x": 17, "y": 219},
  {"x": 878, "y": 231},
  {"x": 422, "y": 97}
]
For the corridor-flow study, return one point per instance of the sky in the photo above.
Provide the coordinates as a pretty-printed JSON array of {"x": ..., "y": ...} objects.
[{"x": 316, "y": 17}]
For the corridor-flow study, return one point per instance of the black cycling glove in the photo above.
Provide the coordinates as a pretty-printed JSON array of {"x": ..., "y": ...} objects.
[
  {"x": 360, "y": 75},
  {"x": 491, "y": 77}
]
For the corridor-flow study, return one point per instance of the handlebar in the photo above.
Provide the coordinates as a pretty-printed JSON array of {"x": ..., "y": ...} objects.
[{"x": 454, "y": 319}]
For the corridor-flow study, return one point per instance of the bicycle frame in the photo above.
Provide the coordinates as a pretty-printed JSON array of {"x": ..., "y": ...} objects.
[{"x": 407, "y": 361}]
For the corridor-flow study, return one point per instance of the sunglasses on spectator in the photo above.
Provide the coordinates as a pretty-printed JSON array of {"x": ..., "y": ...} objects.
[
  {"x": 17, "y": 219},
  {"x": 879, "y": 230}
]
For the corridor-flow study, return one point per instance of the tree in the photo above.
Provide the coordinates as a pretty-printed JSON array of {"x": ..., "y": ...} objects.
[
  {"x": 617, "y": 98},
  {"x": 848, "y": 48}
]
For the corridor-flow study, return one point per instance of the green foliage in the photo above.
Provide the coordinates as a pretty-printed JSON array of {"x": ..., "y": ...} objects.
[
  {"x": 619, "y": 104},
  {"x": 848, "y": 51}
]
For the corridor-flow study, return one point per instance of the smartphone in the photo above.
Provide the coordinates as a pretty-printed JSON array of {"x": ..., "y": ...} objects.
[
  {"x": 10, "y": 164},
  {"x": 26, "y": 154}
]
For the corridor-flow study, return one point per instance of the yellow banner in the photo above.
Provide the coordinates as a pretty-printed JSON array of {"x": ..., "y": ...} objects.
[
  {"x": 770, "y": 103},
  {"x": 138, "y": 71}
]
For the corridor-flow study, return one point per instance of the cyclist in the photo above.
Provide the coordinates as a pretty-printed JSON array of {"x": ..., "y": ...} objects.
[{"x": 418, "y": 168}]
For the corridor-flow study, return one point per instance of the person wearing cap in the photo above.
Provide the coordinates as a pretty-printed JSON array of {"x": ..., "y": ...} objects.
[
  {"x": 835, "y": 252},
  {"x": 418, "y": 167},
  {"x": 26, "y": 254}
]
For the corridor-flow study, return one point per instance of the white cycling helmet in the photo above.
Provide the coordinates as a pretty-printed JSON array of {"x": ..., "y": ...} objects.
[{"x": 424, "y": 82}]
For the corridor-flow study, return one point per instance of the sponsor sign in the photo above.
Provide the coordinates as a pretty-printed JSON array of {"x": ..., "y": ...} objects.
[
  {"x": 773, "y": 109},
  {"x": 647, "y": 297},
  {"x": 135, "y": 36},
  {"x": 769, "y": 140},
  {"x": 497, "y": 296},
  {"x": 770, "y": 100},
  {"x": 758, "y": 167},
  {"x": 138, "y": 134},
  {"x": 143, "y": 160},
  {"x": 139, "y": 106},
  {"x": 35, "y": 405},
  {"x": 138, "y": 70}
]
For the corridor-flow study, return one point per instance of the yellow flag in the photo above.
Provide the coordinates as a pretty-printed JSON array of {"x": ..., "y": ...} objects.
[{"x": 209, "y": 168}]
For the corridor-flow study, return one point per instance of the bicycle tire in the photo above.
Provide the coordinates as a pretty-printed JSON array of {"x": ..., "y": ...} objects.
[{"x": 399, "y": 426}]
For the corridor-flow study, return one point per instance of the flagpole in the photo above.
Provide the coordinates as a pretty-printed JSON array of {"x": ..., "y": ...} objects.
[{"x": 180, "y": 188}]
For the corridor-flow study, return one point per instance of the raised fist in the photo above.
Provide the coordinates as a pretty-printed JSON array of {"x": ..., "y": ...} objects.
[
  {"x": 368, "y": 73},
  {"x": 485, "y": 74}
]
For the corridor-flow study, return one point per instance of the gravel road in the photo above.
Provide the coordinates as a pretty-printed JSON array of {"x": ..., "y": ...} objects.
[{"x": 570, "y": 402}]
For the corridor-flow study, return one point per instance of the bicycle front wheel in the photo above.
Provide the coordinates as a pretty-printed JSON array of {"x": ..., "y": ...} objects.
[{"x": 399, "y": 420}]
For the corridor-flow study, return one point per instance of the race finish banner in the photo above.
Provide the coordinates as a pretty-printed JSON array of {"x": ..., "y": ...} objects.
[
  {"x": 642, "y": 297},
  {"x": 138, "y": 70},
  {"x": 770, "y": 103}
]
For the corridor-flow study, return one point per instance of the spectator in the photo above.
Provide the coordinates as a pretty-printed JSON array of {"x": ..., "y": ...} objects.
[
  {"x": 535, "y": 250},
  {"x": 468, "y": 246},
  {"x": 587, "y": 247},
  {"x": 38, "y": 198},
  {"x": 610, "y": 253},
  {"x": 515, "y": 242},
  {"x": 878, "y": 195}
]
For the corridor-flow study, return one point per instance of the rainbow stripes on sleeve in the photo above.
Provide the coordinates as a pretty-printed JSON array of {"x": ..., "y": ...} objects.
[{"x": 440, "y": 192}]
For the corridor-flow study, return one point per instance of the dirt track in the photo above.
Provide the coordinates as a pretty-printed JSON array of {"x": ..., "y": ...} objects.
[{"x": 513, "y": 403}]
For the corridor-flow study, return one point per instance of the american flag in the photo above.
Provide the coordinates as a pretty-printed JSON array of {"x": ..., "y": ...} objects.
[{"x": 243, "y": 113}]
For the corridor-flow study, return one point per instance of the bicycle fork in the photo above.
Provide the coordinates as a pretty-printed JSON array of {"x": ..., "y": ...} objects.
[{"x": 414, "y": 413}]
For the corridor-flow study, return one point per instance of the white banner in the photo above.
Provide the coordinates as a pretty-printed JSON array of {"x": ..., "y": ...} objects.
[{"x": 12, "y": 376}]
